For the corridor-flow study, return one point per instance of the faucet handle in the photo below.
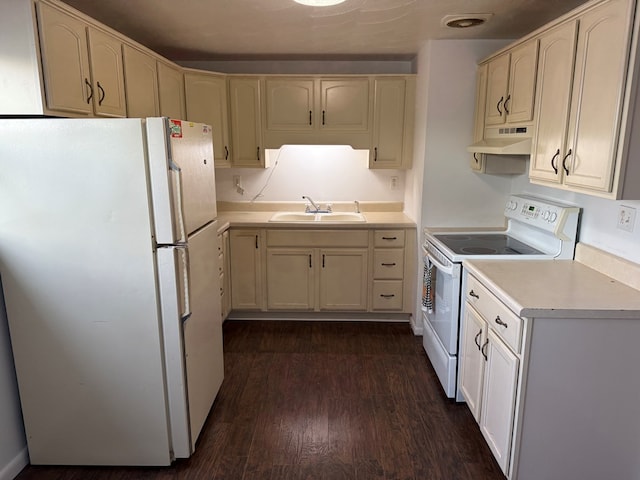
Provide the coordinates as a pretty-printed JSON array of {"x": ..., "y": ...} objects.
[
  {"x": 329, "y": 208},
  {"x": 357, "y": 206}
]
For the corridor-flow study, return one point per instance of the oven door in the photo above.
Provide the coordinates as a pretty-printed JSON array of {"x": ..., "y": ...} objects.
[{"x": 441, "y": 317}]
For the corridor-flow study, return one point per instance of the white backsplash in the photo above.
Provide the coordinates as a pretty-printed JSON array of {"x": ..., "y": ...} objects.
[{"x": 327, "y": 173}]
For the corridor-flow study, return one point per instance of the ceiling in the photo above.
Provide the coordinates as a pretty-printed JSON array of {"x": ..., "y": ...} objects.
[{"x": 390, "y": 29}]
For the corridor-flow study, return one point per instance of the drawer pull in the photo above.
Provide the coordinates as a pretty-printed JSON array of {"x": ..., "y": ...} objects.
[
  {"x": 473, "y": 294},
  {"x": 388, "y": 264},
  {"x": 390, "y": 295},
  {"x": 500, "y": 322},
  {"x": 483, "y": 350},
  {"x": 389, "y": 238},
  {"x": 476, "y": 339}
]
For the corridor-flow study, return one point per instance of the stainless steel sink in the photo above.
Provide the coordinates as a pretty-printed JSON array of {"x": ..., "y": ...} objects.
[{"x": 298, "y": 217}]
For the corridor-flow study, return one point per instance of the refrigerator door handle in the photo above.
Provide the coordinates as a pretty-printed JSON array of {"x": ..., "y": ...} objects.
[
  {"x": 174, "y": 167},
  {"x": 186, "y": 274}
]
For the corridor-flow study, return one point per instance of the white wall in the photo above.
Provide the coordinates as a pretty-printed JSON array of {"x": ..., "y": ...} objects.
[
  {"x": 288, "y": 67},
  {"x": 13, "y": 446},
  {"x": 598, "y": 222},
  {"x": 326, "y": 173}
]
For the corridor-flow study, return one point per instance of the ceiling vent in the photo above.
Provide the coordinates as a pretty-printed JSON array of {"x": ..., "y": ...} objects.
[{"x": 466, "y": 20}]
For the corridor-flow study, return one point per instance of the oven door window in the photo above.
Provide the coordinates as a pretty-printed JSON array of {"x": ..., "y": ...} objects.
[{"x": 445, "y": 304}]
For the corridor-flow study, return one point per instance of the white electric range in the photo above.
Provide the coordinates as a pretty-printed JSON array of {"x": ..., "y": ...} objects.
[{"x": 536, "y": 229}]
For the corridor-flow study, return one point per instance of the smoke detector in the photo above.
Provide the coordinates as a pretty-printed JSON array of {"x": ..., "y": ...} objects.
[{"x": 466, "y": 20}]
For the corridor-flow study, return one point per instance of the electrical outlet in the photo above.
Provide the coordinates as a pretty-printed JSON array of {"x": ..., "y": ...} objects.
[
  {"x": 393, "y": 183},
  {"x": 626, "y": 218}
]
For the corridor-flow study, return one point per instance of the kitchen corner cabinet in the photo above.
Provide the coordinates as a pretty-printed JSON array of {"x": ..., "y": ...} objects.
[
  {"x": 511, "y": 79},
  {"x": 393, "y": 114},
  {"x": 245, "y": 105},
  {"x": 206, "y": 102},
  {"x": 246, "y": 258},
  {"x": 579, "y": 142},
  {"x": 171, "y": 90},
  {"x": 141, "y": 83}
]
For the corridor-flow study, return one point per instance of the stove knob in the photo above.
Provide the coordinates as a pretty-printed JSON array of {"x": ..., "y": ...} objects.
[
  {"x": 513, "y": 205},
  {"x": 545, "y": 215},
  {"x": 553, "y": 217}
]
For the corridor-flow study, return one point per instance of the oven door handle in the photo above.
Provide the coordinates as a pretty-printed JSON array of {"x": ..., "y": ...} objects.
[{"x": 440, "y": 266}]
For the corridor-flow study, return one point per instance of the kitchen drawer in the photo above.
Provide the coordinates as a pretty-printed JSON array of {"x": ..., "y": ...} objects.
[
  {"x": 388, "y": 263},
  {"x": 387, "y": 295},
  {"x": 317, "y": 238},
  {"x": 388, "y": 238},
  {"x": 499, "y": 318}
]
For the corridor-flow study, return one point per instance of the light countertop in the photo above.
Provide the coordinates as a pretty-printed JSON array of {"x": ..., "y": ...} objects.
[{"x": 556, "y": 289}]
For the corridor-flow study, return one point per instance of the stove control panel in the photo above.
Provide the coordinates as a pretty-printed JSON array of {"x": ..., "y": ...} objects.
[{"x": 541, "y": 213}]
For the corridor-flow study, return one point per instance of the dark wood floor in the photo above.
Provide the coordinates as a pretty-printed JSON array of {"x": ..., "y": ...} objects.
[{"x": 323, "y": 400}]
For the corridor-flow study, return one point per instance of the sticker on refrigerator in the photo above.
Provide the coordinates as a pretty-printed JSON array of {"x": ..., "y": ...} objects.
[
  {"x": 206, "y": 129},
  {"x": 176, "y": 128}
]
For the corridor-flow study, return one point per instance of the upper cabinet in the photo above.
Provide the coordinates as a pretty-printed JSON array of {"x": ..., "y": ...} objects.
[
  {"x": 141, "y": 83},
  {"x": 105, "y": 54},
  {"x": 290, "y": 104},
  {"x": 246, "y": 122},
  {"x": 583, "y": 123},
  {"x": 344, "y": 104},
  {"x": 393, "y": 113},
  {"x": 206, "y": 101},
  {"x": 511, "y": 80},
  {"x": 171, "y": 91}
]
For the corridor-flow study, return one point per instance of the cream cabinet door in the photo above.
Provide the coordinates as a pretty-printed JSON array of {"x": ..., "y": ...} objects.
[
  {"x": 290, "y": 279},
  {"x": 246, "y": 122},
  {"x": 497, "y": 85},
  {"x": 65, "y": 62},
  {"x": 246, "y": 258},
  {"x": 105, "y": 54},
  {"x": 598, "y": 89},
  {"x": 498, "y": 399},
  {"x": 555, "y": 73},
  {"x": 206, "y": 101},
  {"x": 344, "y": 104},
  {"x": 290, "y": 104},
  {"x": 518, "y": 104},
  {"x": 388, "y": 123},
  {"x": 343, "y": 279},
  {"x": 171, "y": 91},
  {"x": 141, "y": 83},
  {"x": 477, "y": 159},
  {"x": 471, "y": 371}
]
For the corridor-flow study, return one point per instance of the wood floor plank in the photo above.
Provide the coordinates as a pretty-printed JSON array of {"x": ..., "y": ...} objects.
[{"x": 322, "y": 401}]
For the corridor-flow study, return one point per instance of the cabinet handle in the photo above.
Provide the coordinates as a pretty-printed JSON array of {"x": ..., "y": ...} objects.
[
  {"x": 500, "y": 322},
  {"x": 258, "y": 153},
  {"x": 102, "y": 94},
  {"x": 256, "y": 241},
  {"x": 88, "y": 84},
  {"x": 473, "y": 294},
  {"x": 375, "y": 154},
  {"x": 564, "y": 162},
  {"x": 499, "y": 104},
  {"x": 310, "y": 266},
  {"x": 389, "y": 238},
  {"x": 310, "y": 118},
  {"x": 322, "y": 117},
  {"x": 483, "y": 350},
  {"x": 476, "y": 340},
  {"x": 388, "y": 264},
  {"x": 226, "y": 153},
  {"x": 389, "y": 295},
  {"x": 506, "y": 102},
  {"x": 323, "y": 260},
  {"x": 475, "y": 157},
  {"x": 553, "y": 165}
]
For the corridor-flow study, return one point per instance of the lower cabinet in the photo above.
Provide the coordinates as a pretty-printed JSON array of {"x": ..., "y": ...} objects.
[
  {"x": 246, "y": 252},
  {"x": 343, "y": 279}
]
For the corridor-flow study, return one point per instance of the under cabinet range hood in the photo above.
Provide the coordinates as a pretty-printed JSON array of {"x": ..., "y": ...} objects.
[{"x": 504, "y": 141}]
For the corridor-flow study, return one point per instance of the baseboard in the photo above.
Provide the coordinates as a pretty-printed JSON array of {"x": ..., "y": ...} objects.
[{"x": 15, "y": 466}]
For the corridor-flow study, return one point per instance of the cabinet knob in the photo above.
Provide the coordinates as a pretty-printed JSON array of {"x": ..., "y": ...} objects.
[
  {"x": 500, "y": 322},
  {"x": 553, "y": 165},
  {"x": 564, "y": 160},
  {"x": 506, "y": 102},
  {"x": 90, "y": 96},
  {"x": 102, "y": 94},
  {"x": 477, "y": 342},
  {"x": 483, "y": 350},
  {"x": 473, "y": 294},
  {"x": 499, "y": 105}
]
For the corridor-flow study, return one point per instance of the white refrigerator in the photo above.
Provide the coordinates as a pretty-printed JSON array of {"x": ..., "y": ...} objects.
[{"x": 108, "y": 261}]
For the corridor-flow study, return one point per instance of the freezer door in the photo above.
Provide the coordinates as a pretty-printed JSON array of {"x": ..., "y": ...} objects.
[
  {"x": 182, "y": 177},
  {"x": 203, "y": 330}
]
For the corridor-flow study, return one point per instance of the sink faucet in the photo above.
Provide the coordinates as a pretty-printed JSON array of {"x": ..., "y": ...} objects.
[{"x": 307, "y": 209}]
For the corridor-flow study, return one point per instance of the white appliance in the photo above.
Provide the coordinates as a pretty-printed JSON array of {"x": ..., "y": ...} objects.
[
  {"x": 536, "y": 229},
  {"x": 108, "y": 260}
]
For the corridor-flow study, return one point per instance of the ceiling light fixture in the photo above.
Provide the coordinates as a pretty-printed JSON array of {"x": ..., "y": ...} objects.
[
  {"x": 465, "y": 21},
  {"x": 319, "y": 3}
]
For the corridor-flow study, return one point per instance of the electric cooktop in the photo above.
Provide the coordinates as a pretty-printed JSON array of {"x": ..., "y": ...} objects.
[{"x": 486, "y": 244}]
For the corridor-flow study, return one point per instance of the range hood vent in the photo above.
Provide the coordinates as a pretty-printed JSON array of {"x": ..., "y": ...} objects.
[{"x": 504, "y": 141}]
